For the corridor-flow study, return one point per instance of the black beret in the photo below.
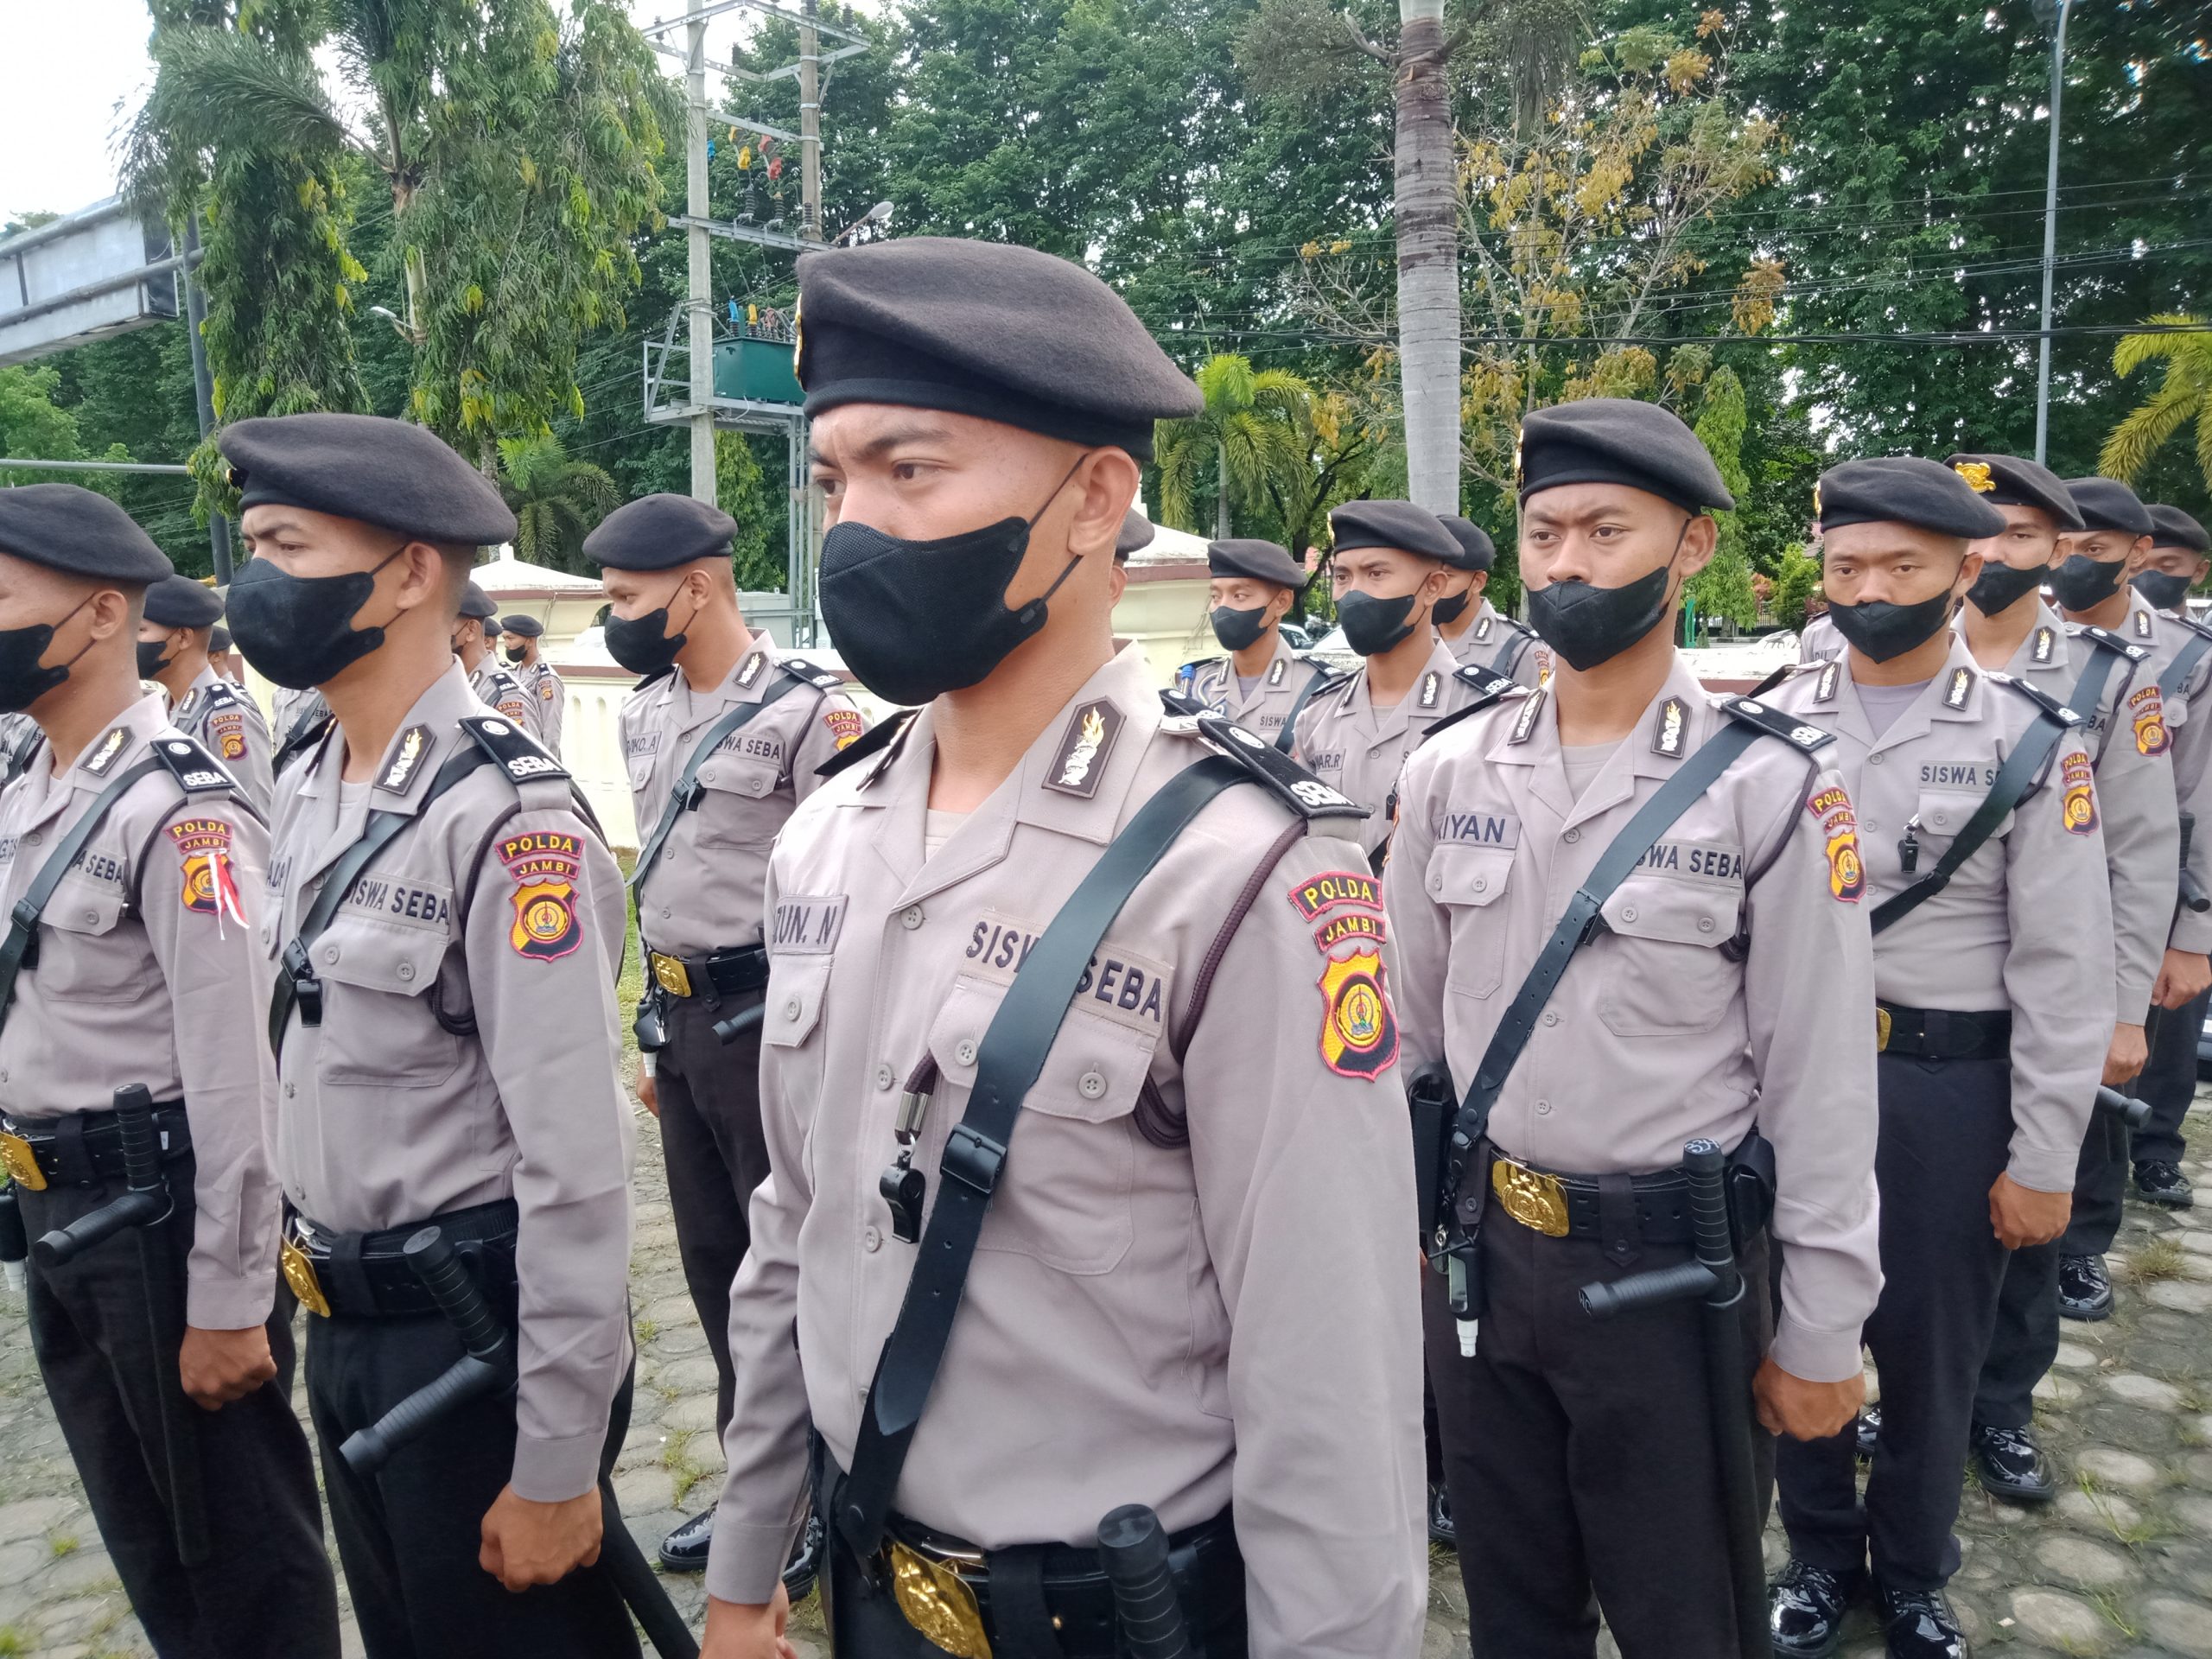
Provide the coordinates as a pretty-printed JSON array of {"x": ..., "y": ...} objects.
[
  {"x": 381, "y": 472},
  {"x": 2108, "y": 504},
  {"x": 1137, "y": 532},
  {"x": 180, "y": 602},
  {"x": 2009, "y": 481},
  {"x": 2176, "y": 529},
  {"x": 1261, "y": 560},
  {"x": 220, "y": 639},
  {"x": 1903, "y": 490},
  {"x": 66, "y": 527},
  {"x": 1618, "y": 441},
  {"x": 1477, "y": 551},
  {"x": 659, "y": 532},
  {"x": 1392, "y": 523},
  {"x": 528, "y": 627},
  {"x": 1001, "y": 333},
  {"x": 476, "y": 604}
]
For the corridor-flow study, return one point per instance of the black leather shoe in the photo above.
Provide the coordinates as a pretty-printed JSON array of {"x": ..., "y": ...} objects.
[
  {"x": 684, "y": 1550},
  {"x": 2160, "y": 1182},
  {"x": 2009, "y": 1464},
  {"x": 1869, "y": 1428},
  {"x": 1918, "y": 1624},
  {"x": 1805, "y": 1608},
  {"x": 2084, "y": 1292},
  {"x": 805, "y": 1564},
  {"x": 1440, "y": 1530}
]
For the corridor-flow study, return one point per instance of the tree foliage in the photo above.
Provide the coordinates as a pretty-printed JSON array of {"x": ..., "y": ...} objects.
[
  {"x": 1724, "y": 587},
  {"x": 1251, "y": 435},
  {"x": 556, "y": 501},
  {"x": 2182, "y": 346}
]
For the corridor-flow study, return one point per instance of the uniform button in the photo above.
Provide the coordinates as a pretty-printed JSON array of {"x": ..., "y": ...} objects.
[
  {"x": 790, "y": 1008},
  {"x": 911, "y": 916},
  {"x": 1090, "y": 1085},
  {"x": 883, "y": 1077},
  {"x": 1572, "y": 836},
  {"x": 964, "y": 1051},
  {"x": 871, "y": 1240},
  {"x": 1628, "y": 912},
  {"x": 91, "y": 918},
  {"x": 1943, "y": 817},
  {"x": 290, "y": 1090},
  {"x": 1481, "y": 883},
  {"x": 666, "y": 912},
  {"x": 1376, "y": 750},
  {"x": 407, "y": 970},
  {"x": 1873, "y": 759},
  {"x": 1436, "y": 884},
  {"x": 330, "y": 953},
  {"x": 1705, "y": 924},
  {"x": 1543, "y": 1109},
  {"x": 705, "y": 774},
  {"x": 1551, "y": 1016},
  {"x": 31, "y": 840}
]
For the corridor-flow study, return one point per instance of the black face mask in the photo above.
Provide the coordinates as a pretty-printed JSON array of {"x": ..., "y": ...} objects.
[
  {"x": 643, "y": 644},
  {"x": 2161, "y": 591},
  {"x": 1372, "y": 626},
  {"x": 2081, "y": 583},
  {"x": 1238, "y": 629},
  {"x": 513, "y": 654},
  {"x": 298, "y": 631},
  {"x": 1589, "y": 624},
  {"x": 1880, "y": 630},
  {"x": 151, "y": 661},
  {"x": 915, "y": 620},
  {"x": 2000, "y": 586},
  {"x": 1450, "y": 609},
  {"x": 23, "y": 682}
]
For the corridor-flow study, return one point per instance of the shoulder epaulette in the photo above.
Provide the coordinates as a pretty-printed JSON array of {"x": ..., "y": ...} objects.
[
  {"x": 1810, "y": 740},
  {"x": 820, "y": 678},
  {"x": 513, "y": 751},
  {"x": 2111, "y": 641},
  {"x": 1787, "y": 672},
  {"x": 196, "y": 770},
  {"x": 1490, "y": 690},
  {"x": 871, "y": 741},
  {"x": 222, "y": 694},
  {"x": 654, "y": 678},
  {"x": 1333, "y": 681},
  {"x": 1180, "y": 706},
  {"x": 301, "y": 739},
  {"x": 1283, "y": 777},
  {"x": 2034, "y": 694},
  {"x": 2188, "y": 622}
]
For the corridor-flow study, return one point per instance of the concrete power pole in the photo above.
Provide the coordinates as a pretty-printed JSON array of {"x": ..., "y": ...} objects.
[
  {"x": 810, "y": 129},
  {"x": 701, "y": 286}
]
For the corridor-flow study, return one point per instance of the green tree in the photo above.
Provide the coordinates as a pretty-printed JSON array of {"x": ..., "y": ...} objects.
[
  {"x": 557, "y": 500},
  {"x": 2182, "y": 346},
  {"x": 739, "y": 488},
  {"x": 1724, "y": 587},
  {"x": 31, "y": 426},
  {"x": 1796, "y": 579},
  {"x": 1249, "y": 432}
]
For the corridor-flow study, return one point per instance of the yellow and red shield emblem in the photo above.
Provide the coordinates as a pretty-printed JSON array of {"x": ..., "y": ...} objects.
[
  {"x": 1359, "y": 1032},
  {"x": 544, "y": 865},
  {"x": 2148, "y": 714},
  {"x": 2079, "y": 807}
]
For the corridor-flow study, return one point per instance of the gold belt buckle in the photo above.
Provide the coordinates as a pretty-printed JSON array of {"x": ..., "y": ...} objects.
[
  {"x": 1881, "y": 1030},
  {"x": 938, "y": 1603},
  {"x": 671, "y": 975},
  {"x": 1535, "y": 1199},
  {"x": 299, "y": 1274},
  {"x": 21, "y": 1163}
]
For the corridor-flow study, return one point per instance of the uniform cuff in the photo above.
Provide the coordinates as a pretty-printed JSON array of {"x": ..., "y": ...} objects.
[
  {"x": 553, "y": 1472},
  {"x": 745, "y": 1559},
  {"x": 2132, "y": 1006},
  {"x": 2041, "y": 1169},
  {"x": 2193, "y": 929},
  {"x": 226, "y": 1302},
  {"x": 1817, "y": 1356}
]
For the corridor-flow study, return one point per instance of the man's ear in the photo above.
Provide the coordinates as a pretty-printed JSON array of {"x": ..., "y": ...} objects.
[
  {"x": 422, "y": 577},
  {"x": 1969, "y": 572},
  {"x": 1108, "y": 481},
  {"x": 1700, "y": 540},
  {"x": 1278, "y": 605},
  {"x": 108, "y": 614},
  {"x": 2137, "y": 557},
  {"x": 1476, "y": 588}
]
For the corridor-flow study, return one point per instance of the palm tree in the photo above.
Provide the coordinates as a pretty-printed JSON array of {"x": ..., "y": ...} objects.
[
  {"x": 1428, "y": 258},
  {"x": 2184, "y": 395},
  {"x": 556, "y": 501},
  {"x": 1250, "y": 430}
]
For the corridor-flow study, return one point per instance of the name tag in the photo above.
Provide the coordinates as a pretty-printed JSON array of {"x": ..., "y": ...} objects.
[
  {"x": 1479, "y": 829},
  {"x": 806, "y": 926},
  {"x": 1704, "y": 860},
  {"x": 1118, "y": 985}
]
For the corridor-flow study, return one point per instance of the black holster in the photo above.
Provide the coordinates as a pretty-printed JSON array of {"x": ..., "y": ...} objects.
[{"x": 1430, "y": 1099}]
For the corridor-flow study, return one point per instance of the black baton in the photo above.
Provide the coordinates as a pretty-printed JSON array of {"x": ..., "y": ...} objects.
[
  {"x": 1714, "y": 1276},
  {"x": 488, "y": 1367},
  {"x": 142, "y": 1206},
  {"x": 2133, "y": 1112},
  {"x": 1133, "y": 1548}
]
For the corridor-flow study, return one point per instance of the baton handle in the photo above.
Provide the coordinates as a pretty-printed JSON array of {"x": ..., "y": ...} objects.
[
  {"x": 146, "y": 1199},
  {"x": 729, "y": 1030},
  {"x": 1133, "y": 1548},
  {"x": 487, "y": 1367},
  {"x": 2134, "y": 1113},
  {"x": 15, "y": 1244},
  {"x": 1685, "y": 1282}
]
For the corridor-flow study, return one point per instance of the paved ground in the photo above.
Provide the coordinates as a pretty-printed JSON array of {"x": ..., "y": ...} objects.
[{"x": 2120, "y": 1566}]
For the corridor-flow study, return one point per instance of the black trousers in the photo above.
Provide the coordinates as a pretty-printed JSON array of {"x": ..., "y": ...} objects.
[
  {"x": 266, "y": 1589},
  {"x": 1946, "y": 1132},
  {"x": 710, "y": 1136},
  {"x": 409, "y": 1535},
  {"x": 1579, "y": 1457},
  {"x": 2168, "y": 1081}
]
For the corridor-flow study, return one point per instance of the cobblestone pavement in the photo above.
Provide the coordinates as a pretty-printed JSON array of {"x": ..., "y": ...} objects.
[{"x": 2120, "y": 1567}]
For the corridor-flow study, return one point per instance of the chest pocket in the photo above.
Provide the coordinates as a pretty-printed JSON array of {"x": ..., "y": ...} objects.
[
  {"x": 640, "y": 769},
  {"x": 1067, "y": 1199},
  {"x": 379, "y": 1023},
  {"x": 1468, "y": 882},
  {"x": 82, "y": 957},
  {"x": 735, "y": 789},
  {"x": 1944, "y": 812},
  {"x": 1664, "y": 973}
]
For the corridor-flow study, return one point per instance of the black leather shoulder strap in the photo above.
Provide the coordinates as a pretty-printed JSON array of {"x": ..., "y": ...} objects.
[
  {"x": 1491, "y": 688},
  {"x": 1319, "y": 681},
  {"x": 307, "y": 731},
  {"x": 1266, "y": 764},
  {"x": 874, "y": 740},
  {"x": 820, "y": 678},
  {"x": 18, "y": 758},
  {"x": 1805, "y": 739},
  {"x": 975, "y": 1155},
  {"x": 2112, "y": 642},
  {"x": 197, "y": 771},
  {"x": 2185, "y": 660},
  {"x": 514, "y": 750},
  {"x": 681, "y": 795}
]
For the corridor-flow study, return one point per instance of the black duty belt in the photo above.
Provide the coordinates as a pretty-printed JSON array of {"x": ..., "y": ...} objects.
[
  {"x": 1059, "y": 1593},
  {"x": 1942, "y": 1033},
  {"x": 84, "y": 1147},
  {"x": 1574, "y": 1206},
  {"x": 726, "y": 973},
  {"x": 364, "y": 1275}
]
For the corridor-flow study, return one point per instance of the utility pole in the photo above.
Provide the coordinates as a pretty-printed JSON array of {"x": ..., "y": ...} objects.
[
  {"x": 195, "y": 317},
  {"x": 701, "y": 285},
  {"x": 809, "y": 127},
  {"x": 2053, "y": 14}
]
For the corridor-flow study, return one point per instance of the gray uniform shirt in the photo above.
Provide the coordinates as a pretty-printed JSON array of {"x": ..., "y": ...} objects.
[
  {"x": 1180, "y": 1322},
  {"x": 1733, "y": 984},
  {"x": 1499, "y": 644},
  {"x": 468, "y": 1050},
  {"x": 2186, "y": 704},
  {"x": 703, "y": 894},
  {"x": 543, "y": 683},
  {"x": 1819, "y": 641},
  {"x": 2023, "y": 923},
  {"x": 1349, "y": 744},
  {"x": 229, "y": 725},
  {"x": 500, "y": 691},
  {"x": 289, "y": 711},
  {"x": 149, "y": 971},
  {"x": 1214, "y": 682}
]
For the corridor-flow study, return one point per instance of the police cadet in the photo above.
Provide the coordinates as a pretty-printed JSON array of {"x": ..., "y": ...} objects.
[
  {"x": 297, "y": 719},
  {"x": 2168, "y": 1082},
  {"x": 1984, "y": 867},
  {"x": 19, "y": 739},
  {"x": 174, "y": 643},
  {"x": 1391, "y": 564},
  {"x": 134, "y": 872},
  {"x": 721, "y": 743},
  {"x": 219, "y": 655},
  {"x": 1003, "y": 1340},
  {"x": 494, "y": 687},
  {"x": 1261, "y": 683},
  {"x": 1721, "y": 991},
  {"x": 520, "y": 636},
  {"x": 1477, "y": 636},
  {"x": 447, "y": 927}
]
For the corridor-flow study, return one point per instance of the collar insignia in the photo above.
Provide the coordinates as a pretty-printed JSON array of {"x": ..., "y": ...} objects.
[
  {"x": 103, "y": 756},
  {"x": 1961, "y": 682},
  {"x": 750, "y": 671},
  {"x": 2142, "y": 625},
  {"x": 1482, "y": 632},
  {"x": 414, "y": 744},
  {"x": 1825, "y": 690},
  {"x": 1275, "y": 674},
  {"x": 1668, "y": 731},
  {"x": 1527, "y": 723},
  {"x": 1080, "y": 762},
  {"x": 1429, "y": 682},
  {"x": 2046, "y": 638}
]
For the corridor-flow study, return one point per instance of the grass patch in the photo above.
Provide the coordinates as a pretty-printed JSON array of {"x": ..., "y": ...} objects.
[
  {"x": 2155, "y": 1259},
  {"x": 13, "y": 1642},
  {"x": 2107, "y": 1604},
  {"x": 646, "y": 1330},
  {"x": 62, "y": 1544},
  {"x": 633, "y": 984}
]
